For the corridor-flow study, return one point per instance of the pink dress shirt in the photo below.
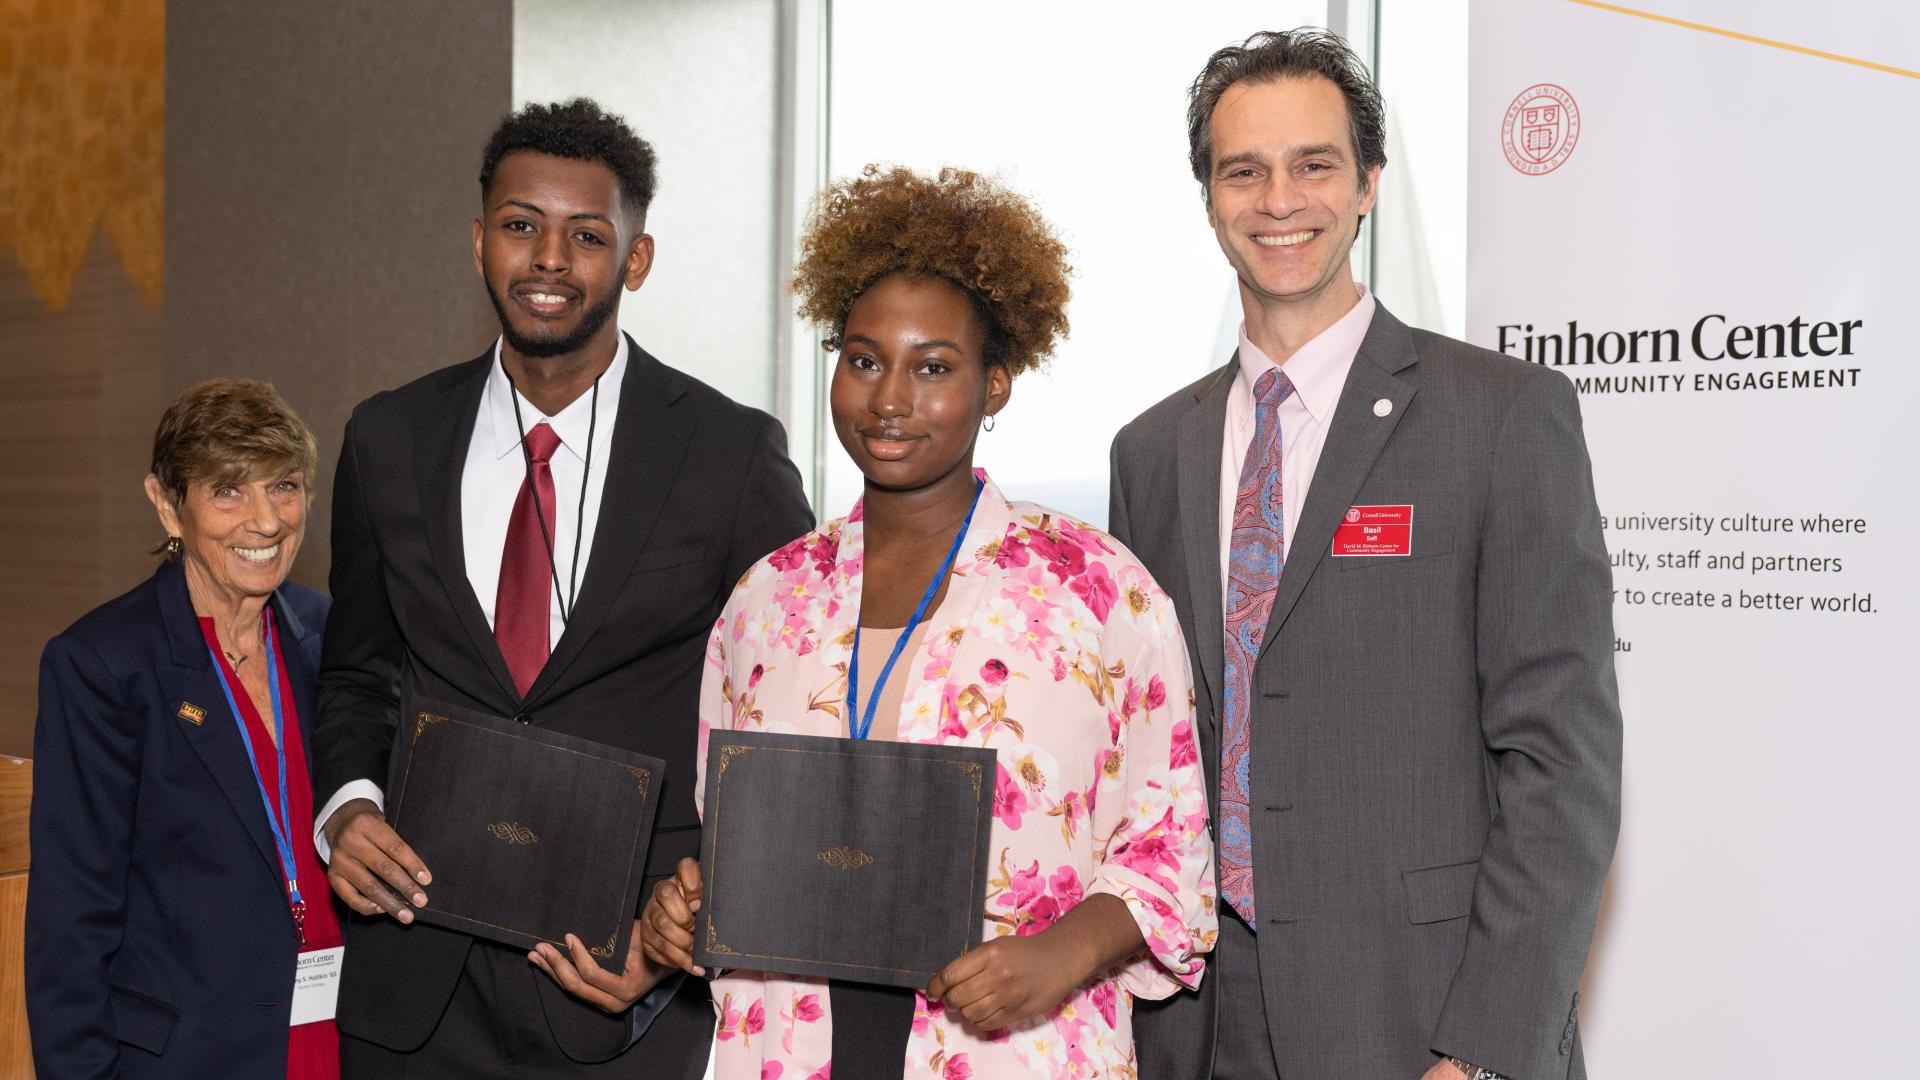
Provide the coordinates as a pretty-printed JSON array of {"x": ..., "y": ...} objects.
[{"x": 1319, "y": 372}]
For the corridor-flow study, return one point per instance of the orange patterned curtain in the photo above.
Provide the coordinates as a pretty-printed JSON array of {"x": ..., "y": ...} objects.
[{"x": 83, "y": 138}]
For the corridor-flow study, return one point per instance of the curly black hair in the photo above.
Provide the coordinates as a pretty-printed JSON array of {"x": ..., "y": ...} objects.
[{"x": 581, "y": 130}]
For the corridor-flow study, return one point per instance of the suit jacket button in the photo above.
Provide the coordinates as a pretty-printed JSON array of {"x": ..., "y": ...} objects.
[{"x": 523, "y": 718}]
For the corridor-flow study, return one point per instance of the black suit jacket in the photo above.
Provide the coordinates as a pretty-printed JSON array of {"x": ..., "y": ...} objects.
[
  {"x": 697, "y": 488},
  {"x": 158, "y": 941}
]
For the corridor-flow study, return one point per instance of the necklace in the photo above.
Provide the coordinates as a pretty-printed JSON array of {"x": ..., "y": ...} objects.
[{"x": 236, "y": 659}]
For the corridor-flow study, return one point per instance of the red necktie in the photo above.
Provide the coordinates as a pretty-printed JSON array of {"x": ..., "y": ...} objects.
[{"x": 520, "y": 611}]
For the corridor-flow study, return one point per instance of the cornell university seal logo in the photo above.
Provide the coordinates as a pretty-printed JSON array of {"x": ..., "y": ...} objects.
[{"x": 1541, "y": 127}]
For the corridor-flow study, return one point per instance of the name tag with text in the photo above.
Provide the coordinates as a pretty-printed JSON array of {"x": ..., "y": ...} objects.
[
  {"x": 316, "y": 985},
  {"x": 1374, "y": 531}
]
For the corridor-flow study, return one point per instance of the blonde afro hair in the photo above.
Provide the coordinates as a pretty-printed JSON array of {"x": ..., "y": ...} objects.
[{"x": 959, "y": 226}]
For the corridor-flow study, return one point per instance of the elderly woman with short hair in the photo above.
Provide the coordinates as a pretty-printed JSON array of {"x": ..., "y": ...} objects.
[{"x": 175, "y": 888}]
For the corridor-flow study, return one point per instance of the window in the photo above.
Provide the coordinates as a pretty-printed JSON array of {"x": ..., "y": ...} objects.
[{"x": 1083, "y": 110}]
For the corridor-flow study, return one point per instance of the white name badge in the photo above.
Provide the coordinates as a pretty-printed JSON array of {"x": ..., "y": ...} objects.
[{"x": 316, "y": 985}]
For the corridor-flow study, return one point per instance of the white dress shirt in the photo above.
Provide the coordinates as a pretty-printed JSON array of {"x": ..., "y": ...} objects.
[
  {"x": 496, "y": 470},
  {"x": 1318, "y": 371},
  {"x": 491, "y": 481}
]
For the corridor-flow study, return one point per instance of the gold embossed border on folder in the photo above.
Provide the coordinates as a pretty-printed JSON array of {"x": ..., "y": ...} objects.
[
  {"x": 426, "y": 721},
  {"x": 732, "y": 752}
]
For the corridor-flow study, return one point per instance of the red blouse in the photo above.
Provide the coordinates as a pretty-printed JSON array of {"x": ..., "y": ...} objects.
[{"x": 313, "y": 1050}]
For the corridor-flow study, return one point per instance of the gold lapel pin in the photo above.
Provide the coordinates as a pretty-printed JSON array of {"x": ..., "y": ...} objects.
[{"x": 191, "y": 712}]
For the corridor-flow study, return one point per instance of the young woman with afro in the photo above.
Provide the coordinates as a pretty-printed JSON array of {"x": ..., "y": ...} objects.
[{"x": 1041, "y": 638}]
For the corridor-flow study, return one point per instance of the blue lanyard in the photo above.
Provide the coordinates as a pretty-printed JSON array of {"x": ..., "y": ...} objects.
[
  {"x": 853, "y": 665},
  {"x": 280, "y": 837}
]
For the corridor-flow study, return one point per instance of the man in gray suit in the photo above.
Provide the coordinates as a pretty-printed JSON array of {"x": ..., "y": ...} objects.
[{"x": 1385, "y": 550}]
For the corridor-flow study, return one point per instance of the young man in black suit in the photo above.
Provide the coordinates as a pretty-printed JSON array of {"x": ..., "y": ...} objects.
[{"x": 546, "y": 532}]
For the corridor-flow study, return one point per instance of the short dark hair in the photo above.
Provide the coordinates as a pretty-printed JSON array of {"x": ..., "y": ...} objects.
[
  {"x": 581, "y": 130},
  {"x": 1270, "y": 56}
]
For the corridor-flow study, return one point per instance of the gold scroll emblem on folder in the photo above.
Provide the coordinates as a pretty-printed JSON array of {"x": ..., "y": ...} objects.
[
  {"x": 841, "y": 858},
  {"x": 513, "y": 832}
]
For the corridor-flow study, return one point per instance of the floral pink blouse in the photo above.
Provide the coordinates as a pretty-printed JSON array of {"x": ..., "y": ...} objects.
[{"x": 1056, "y": 648}]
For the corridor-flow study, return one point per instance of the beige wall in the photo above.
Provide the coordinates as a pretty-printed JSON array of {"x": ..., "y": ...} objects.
[{"x": 321, "y": 164}]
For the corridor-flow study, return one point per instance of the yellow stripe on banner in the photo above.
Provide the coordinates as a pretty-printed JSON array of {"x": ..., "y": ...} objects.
[{"x": 1738, "y": 36}]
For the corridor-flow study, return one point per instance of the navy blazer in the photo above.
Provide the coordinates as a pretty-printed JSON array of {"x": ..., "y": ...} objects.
[{"x": 158, "y": 940}]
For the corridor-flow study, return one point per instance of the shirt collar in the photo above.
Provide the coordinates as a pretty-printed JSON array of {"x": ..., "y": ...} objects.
[
  {"x": 573, "y": 422},
  {"x": 1319, "y": 368}
]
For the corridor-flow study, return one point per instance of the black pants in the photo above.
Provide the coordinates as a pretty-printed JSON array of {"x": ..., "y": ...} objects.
[
  {"x": 479, "y": 1040},
  {"x": 871, "y": 1025}
]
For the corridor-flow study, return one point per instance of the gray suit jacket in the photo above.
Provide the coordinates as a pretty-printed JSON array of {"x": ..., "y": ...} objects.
[{"x": 1436, "y": 738}]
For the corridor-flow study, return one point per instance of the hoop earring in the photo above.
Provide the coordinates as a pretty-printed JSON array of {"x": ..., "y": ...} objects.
[
  {"x": 173, "y": 546},
  {"x": 987, "y": 424}
]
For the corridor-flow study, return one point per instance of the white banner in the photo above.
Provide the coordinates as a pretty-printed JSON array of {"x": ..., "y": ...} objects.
[{"x": 1706, "y": 216}]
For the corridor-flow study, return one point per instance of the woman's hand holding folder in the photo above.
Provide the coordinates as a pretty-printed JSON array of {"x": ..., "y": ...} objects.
[
  {"x": 1010, "y": 980},
  {"x": 1002, "y": 983},
  {"x": 666, "y": 924}
]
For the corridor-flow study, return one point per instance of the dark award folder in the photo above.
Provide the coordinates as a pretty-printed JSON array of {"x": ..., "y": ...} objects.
[
  {"x": 530, "y": 834},
  {"x": 843, "y": 859}
]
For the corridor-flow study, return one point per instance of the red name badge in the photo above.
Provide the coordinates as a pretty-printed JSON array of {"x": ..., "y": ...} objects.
[{"x": 1369, "y": 531}]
